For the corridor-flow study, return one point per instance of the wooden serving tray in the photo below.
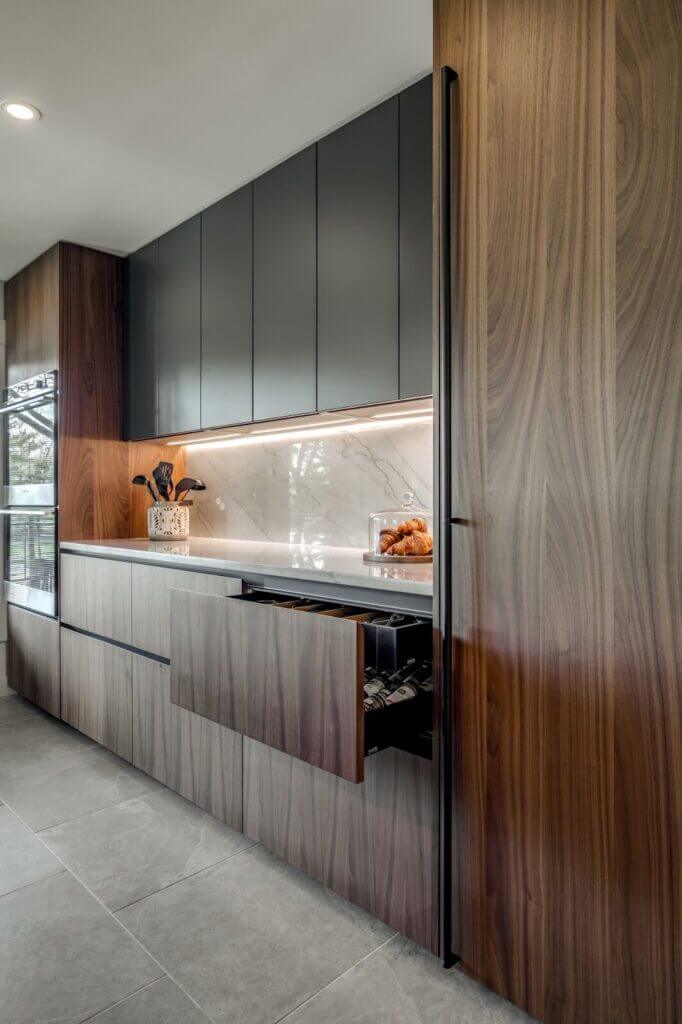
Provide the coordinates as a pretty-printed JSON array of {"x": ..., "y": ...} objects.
[{"x": 369, "y": 556}]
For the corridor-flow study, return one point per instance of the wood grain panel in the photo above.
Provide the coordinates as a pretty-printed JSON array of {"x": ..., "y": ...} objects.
[
  {"x": 289, "y": 679},
  {"x": 197, "y": 758},
  {"x": 372, "y": 844},
  {"x": 648, "y": 544},
  {"x": 96, "y": 596},
  {"x": 566, "y": 486},
  {"x": 32, "y": 315},
  {"x": 94, "y": 497},
  {"x": 33, "y": 657},
  {"x": 151, "y": 601},
  {"x": 97, "y": 691}
]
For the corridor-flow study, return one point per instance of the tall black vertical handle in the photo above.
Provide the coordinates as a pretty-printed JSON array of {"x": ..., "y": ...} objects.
[{"x": 448, "y": 205}]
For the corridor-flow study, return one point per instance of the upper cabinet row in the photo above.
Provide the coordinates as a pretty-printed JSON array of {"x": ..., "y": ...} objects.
[{"x": 308, "y": 289}]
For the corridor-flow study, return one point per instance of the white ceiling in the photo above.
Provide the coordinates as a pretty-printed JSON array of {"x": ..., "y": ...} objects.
[{"x": 152, "y": 109}]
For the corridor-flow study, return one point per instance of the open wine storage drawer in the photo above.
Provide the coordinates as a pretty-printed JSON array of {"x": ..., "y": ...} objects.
[{"x": 290, "y": 672}]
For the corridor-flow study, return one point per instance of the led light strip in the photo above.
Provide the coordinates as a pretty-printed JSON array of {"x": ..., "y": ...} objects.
[{"x": 308, "y": 433}]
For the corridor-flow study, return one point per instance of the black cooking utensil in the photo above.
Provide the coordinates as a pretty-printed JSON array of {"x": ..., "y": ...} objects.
[
  {"x": 188, "y": 484},
  {"x": 142, "y": 481},
  {"x": 162, "y": 478}
]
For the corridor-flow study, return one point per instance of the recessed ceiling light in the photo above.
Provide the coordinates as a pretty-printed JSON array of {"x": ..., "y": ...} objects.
[{"x": 20, "y": 111}]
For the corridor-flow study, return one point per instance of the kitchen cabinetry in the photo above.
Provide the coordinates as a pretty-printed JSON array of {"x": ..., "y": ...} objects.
[
  {"x": 179, "y": 348},
  {"x": 416, "y": 240},
  {"x": 141, "y": 337},
  {"x": 227, "y": 310},
  {"x": 196, "y": 758},
  {"x": 97, "y": 691},
  {"x": 309, "y": 289},
  {"x": 372, "y": 844},
  {"x": 33, "y": 657},
  {"x": 151, "y": 601},
  {"x": 284, "y": 288},
  {"x": 96, "y": 596},
  {"x": 357, "y": 341}
]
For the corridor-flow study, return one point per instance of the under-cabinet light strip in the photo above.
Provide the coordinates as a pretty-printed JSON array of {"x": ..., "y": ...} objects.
[{"x": 308, "y": 433}]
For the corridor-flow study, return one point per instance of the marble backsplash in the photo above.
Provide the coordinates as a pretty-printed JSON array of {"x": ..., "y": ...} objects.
[{"x": 319, "y": 490}]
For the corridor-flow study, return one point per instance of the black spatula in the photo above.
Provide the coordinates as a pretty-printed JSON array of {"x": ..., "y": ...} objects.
[{"x": 162, "y": 478}]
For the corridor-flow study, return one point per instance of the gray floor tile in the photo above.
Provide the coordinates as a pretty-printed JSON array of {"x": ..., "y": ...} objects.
[
  {"x": 14, "y": 708},
  {"x": 251, "y": 938},
  {"x": 51, "y": 792},
  {"x": 402, "y": 984},
  {"x": 128, "y": 851},
  {"x": 63, "y": 956},
  {"x": 37, "y": 739},
  {"x": 160, "y": 1003},
  {"x": 23, "y": 858}
]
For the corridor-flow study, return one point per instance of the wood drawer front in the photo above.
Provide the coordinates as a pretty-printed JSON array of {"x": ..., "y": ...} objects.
[
  {"x": 97, "y": 691},
  {"x": 96, "y": 596},
  {"x": 151, "y": 587},
  {"x": 291, "y": 679},
  {"x": 372, "y": 844},
  {"x": 193, "y": 756},
  {"x": 33, "y": 657}
]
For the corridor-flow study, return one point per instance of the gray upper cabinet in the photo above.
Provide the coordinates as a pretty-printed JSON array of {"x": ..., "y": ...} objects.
[
  {"x": 284, "y": 289},
  {"x": 358, "y": 261},
  {"x": 226, "y": 310},
  {"x": 179, "y": 349},
  {"x": 141, "y": 333},
  {"x": 416, "y": 240}
]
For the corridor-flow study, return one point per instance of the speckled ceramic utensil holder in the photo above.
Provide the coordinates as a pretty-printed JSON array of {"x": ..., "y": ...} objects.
[{"x": 168, "y": 520}]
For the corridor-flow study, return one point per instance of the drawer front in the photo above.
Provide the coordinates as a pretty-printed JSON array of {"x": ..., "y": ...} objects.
[
  {"x": 97, "y": 691},
  {"x": 292, "y": 680},
  {"x": 33, "y": 657},
  {"x": 96, "y": 596},
  {"x": 372, "y": 844},
  {"x": 193, "y": 756},
  {"x": 152, "y": 587}
]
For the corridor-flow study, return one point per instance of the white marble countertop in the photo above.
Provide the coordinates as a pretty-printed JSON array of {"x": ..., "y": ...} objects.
[{"x": 342, "y": 566}]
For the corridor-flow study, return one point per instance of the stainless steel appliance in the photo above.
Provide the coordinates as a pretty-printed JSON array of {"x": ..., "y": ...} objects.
[{"x": 29, "y": 415}]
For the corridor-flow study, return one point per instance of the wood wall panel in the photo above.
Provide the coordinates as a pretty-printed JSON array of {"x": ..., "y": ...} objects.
[
  {"x": 94, "y": 496},
  {"x": 566, "y": 592},
  {"x": 648, "y": 542}
]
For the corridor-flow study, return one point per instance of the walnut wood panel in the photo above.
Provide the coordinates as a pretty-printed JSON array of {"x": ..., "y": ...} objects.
[
  {"x": 94, "y": 495},
  {"x": 290, "y": 679},
  {"x": 373, "y": 844},
  {"x": 567, "y": 378},
  {"x": 32, "y": 315},
  {"x": 143, "y": 456},
  {"x": 151, "y": 601},
  {"x": 96, "y": 596},
  {"x": 197, "y": 758},
  {"x": 648, "y": 537},
  {"x": 97, "y": 691},
  {"x": 33, "y": 657}
]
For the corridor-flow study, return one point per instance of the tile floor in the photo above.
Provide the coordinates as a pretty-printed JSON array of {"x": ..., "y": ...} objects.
[{"x": 122, "y": 903}]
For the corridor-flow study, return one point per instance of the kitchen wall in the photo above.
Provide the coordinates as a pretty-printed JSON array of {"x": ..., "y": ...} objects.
[{"x": 318, "y": 490}]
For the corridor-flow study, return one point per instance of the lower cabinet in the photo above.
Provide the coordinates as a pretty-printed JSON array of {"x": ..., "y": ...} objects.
[
  {"x": 97, "y": 697},
  {"x": 33, "y": 657},
  {"x": 196, "y": 758},
  {"x": 373, "y": 844}
]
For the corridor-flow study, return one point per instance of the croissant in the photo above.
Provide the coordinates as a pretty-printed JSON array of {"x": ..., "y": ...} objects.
[
  {"x": 412, "y": 525},
  {"x": 386, "y": 539},
  {"x": 416, "y": 543}
]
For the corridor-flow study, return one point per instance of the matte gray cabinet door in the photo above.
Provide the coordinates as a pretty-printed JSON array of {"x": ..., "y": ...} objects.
[
  {"x": 226, "y": 311},
  {"x": 358, "y": 261},
  {"x": 140, "y": 344},
  {"x": 179, "y": 350},
  {"x": 284, "y": 289},
  {"x": 416, "y": 240}
]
